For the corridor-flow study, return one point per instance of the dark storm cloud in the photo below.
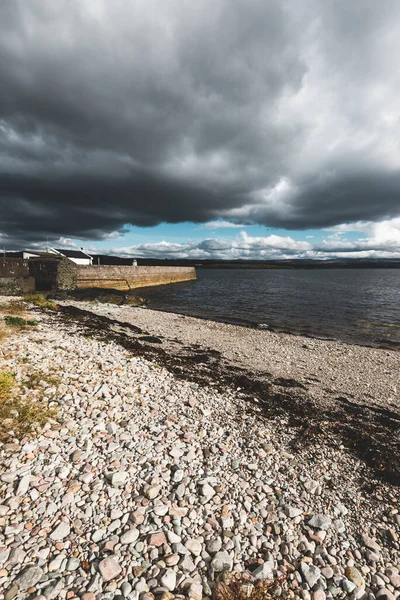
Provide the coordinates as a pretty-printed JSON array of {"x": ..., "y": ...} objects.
[{"x": 282, "y": 113}]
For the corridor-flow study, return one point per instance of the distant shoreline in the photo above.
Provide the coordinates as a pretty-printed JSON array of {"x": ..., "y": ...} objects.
[{"x": 297, "y": 264}]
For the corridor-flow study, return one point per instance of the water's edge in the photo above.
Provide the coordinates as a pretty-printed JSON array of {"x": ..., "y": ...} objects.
[
  {"x": 351, "y": 307},
  {"x": 384, "y": 344}
]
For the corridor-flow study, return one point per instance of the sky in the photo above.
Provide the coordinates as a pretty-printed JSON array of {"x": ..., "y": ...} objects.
[{"x": 182, "y": 128}]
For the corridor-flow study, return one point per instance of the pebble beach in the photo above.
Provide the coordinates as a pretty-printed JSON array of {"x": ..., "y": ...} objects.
[{"x": 148, "y": 485}]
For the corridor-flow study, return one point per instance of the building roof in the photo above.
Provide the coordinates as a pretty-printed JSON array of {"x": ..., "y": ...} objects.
[
  {"x": 40, "y": 254},
  {"x": 105, "y": 259},
  {"x": 17, "y": 254},
  {"x": 72, "y": 253}
]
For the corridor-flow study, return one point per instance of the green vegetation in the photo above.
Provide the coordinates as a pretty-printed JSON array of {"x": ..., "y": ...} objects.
[
  {"x": 41, "y": 301},
  {"x": 19, "y": 321},
  {"x": 7, "y": 382},
  {"x": 36, "y": 378},
  {"x": 20, "y": 416}
]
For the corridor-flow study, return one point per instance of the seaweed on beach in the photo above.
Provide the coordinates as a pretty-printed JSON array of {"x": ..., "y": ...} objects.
[
  {"x": 243, "y": 586},
  {"x": 370, "y": 432},
  {"x": 102, "y": 295}
]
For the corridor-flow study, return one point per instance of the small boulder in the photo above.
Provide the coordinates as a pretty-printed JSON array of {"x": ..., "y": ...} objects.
[
  {"x": 29, "y": 578},
  {"x": 222, "y": 561},
  {"x": 109, "y": 569},
  {"x": 320, "y": 522},
  {"x": 119, "y": 478},
  {"x": 355, "y": 577},
  {"x": 23, "y": 485},
  {"x": 311, "y": 573},
  {"x": 60, "y": 532},
  {"x": 194, "y": 546},
  {"x": 168, "y": 580},
  {"x": 152, "y": 491},
  {"x": 129, "y": 536},
  {"x": 264, "y": 571}
]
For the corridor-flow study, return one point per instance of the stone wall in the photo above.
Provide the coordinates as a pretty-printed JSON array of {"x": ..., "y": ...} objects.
[
  {"x": 121, "y": 277},
  {"x": 53, "y": 274},
  {"x": 15, "y": 278},
  {"x": 19, "y": 276},
  {"x": 67, "y": 276}
]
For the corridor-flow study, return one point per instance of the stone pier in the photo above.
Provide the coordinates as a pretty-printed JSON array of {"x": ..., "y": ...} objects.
[{"x": 128, "y": 277}]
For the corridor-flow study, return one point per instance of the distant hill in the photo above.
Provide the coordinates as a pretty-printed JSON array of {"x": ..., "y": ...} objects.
[
  {"x": 105, "y": 259},
  {"x": 352, "y": 263}
]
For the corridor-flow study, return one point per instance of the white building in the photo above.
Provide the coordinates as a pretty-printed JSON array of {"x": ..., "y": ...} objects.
[{"x": 77, "y": 256}]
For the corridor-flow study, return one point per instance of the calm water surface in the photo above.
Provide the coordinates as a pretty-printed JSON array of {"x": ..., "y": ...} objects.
[{"x": 352, "y": 305}]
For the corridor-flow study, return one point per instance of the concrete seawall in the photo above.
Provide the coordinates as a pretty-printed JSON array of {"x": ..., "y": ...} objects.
[{"x": 127, "y": 277}]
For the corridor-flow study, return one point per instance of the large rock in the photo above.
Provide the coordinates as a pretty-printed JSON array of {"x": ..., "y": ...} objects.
[
  {"x": 311, "y": 574},
  {"x": 355, "y": 576},
  {"x": 222, "y": 561},
  {"x": 207, "y": 491},
  {"x": 370, "y": 543},
  {"x": 320, "y": 522},
  {"x": 60, "y": 532},
  {"x": 385, "y": 594},
  {"x": 214, "y": 546},
  {"x": 157, "y": 539},
  {"x": 129, "y": 536},
  {"x": 119, "y": 478},
  {"x": 168, "y": 580},
  {"x": 187, "y": 565},
  {"x": 29, "y": 578},
  {"x": 109, "y": 569},
  {"x": 195, "y": 591},
  {"x": 53, "y": 590},
  {"x": 152, "y": 491},
  {"x": 194, "y": 546},
  {"x": 264, "y": 571},
  {"x": 23, "y": 485}
]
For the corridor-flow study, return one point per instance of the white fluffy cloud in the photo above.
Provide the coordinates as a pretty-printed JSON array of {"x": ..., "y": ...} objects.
[
  {"x": 380, "y": 240},
  {"x": 222, "y": 225},
  {"x": 242, "y": 246}
]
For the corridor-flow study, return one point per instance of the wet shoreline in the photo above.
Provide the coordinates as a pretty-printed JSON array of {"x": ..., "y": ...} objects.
[
  {"x": 351, "y": 307},
  {"x": 380, "y": 344}
]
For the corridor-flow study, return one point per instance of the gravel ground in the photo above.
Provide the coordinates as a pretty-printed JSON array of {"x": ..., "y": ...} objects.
[
  {"x": 149, "y": 486},
  {"x": 369, "y": 375}
]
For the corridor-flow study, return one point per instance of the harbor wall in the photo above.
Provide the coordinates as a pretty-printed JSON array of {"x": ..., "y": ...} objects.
[
  {"x": 18, "y": 276},
  {"x": 121, "y": 277}
]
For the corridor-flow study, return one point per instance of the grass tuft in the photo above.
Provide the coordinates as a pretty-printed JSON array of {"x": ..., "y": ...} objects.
[
  {"x": 37, "y": 378},
  {"x": 14, "y": 307},
  {"x": 41, "y": 301},
  {"x": 19, "y": 321},
  {"x": 20, "y": 416},
  {"x": 7, "y": 382}
]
